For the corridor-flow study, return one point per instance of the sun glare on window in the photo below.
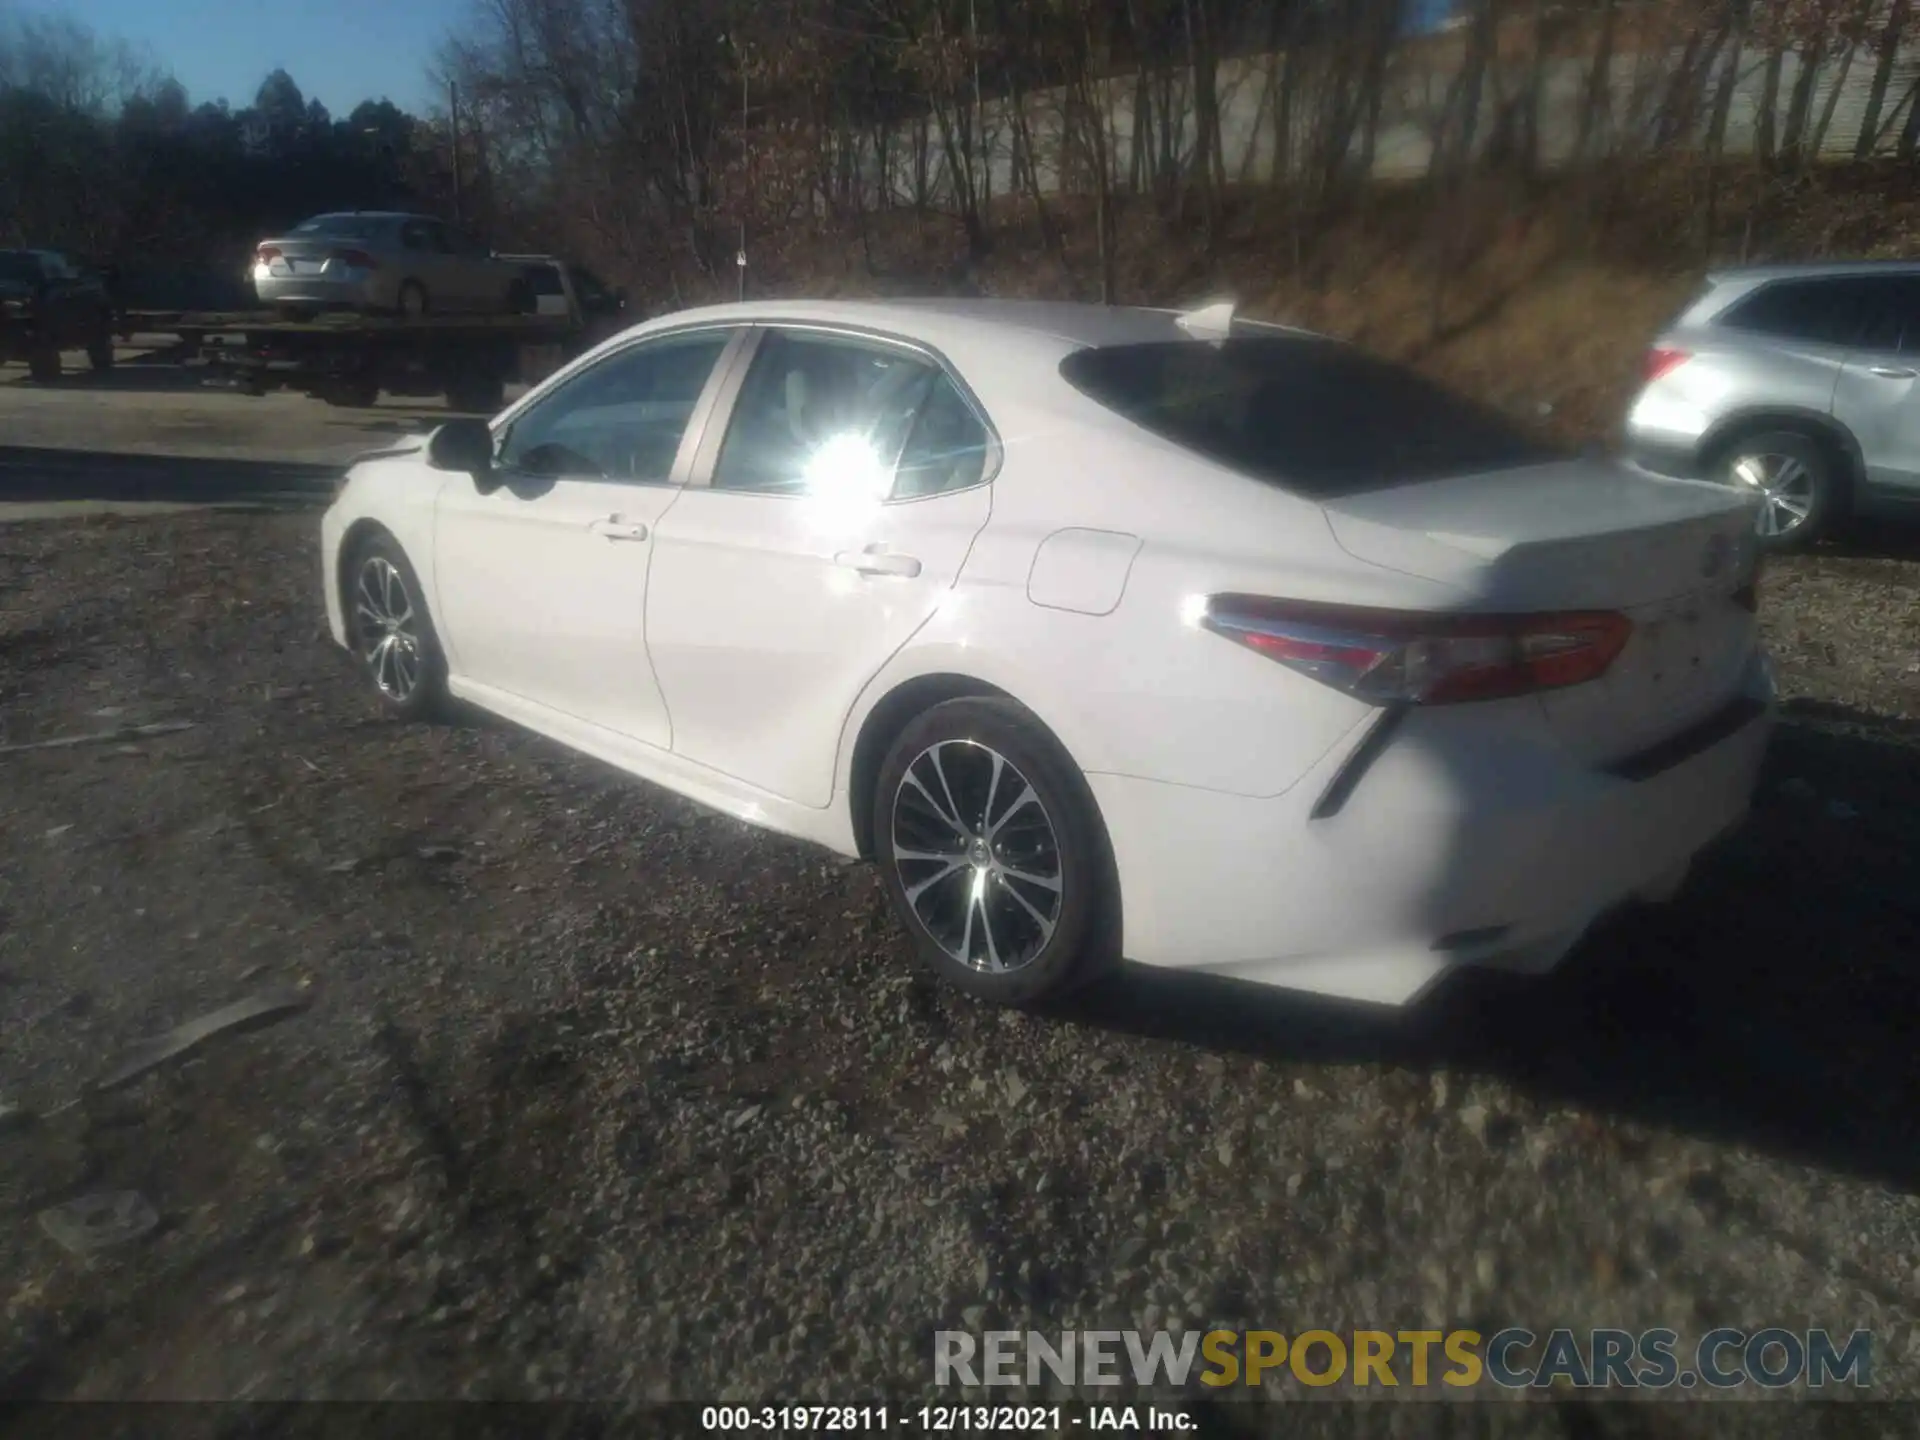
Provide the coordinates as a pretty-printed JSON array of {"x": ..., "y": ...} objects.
[{"x": 845, "y": 480}]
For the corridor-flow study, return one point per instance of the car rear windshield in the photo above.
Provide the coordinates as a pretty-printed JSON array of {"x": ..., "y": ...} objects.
[
  {"x": 337, "y": 225},
  {"x": 1312, "y": 416}
]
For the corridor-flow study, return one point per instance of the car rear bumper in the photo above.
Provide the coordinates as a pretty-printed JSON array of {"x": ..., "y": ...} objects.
[
  {"x": 1461, "y": 844},
  {"x": 349, "y": 288}
]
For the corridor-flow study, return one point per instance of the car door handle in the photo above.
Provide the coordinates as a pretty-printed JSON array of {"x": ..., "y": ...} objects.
[
  {"x": 614, "y": 528},
  {"x": 1892, "y": 372},
  {"x": 878, "y": 562}
]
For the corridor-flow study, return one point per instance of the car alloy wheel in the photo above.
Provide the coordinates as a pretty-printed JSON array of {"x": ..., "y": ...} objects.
[
  {"x": 978, "y": 858},
  {"x": 389, "y": 630},
  {"x": 1785, "y": 486}
]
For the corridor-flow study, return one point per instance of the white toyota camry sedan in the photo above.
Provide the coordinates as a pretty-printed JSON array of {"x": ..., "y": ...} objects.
[{"x": 1102, "y": 632}]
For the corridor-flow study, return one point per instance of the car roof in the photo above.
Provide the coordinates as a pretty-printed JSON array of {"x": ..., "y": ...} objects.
[
  {"x": 1813, "y": 270},
  {"x": 365, "y": 215},
  {"x": 934, "y": 319}
]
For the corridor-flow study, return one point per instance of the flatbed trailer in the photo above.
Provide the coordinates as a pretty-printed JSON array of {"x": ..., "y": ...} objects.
[{"x": 351, "y": 359}]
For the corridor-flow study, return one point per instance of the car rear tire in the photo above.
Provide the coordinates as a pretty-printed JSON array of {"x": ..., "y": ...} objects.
[
  {"x": 391, "y": 633},
  {"x": 43, "y": 363},
  {"x": 993, "y": 854},
  {"x": 1798, "y": 481},
  {"x": 412, "y": 300}
]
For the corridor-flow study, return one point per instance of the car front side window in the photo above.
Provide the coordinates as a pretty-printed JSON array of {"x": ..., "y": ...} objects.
[{"x": 623, "y": 419}]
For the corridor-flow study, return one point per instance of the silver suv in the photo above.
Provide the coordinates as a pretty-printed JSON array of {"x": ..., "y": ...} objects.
[{"x": 1800, "y": 382}]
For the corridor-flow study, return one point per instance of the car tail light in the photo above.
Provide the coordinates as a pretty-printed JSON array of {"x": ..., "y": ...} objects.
[
  {"x": 267, "y": 253},
  {"x": 1661, "y": 360},
  {"x": 358, "y": 259},
  {"x": 1406, "y": 657}
]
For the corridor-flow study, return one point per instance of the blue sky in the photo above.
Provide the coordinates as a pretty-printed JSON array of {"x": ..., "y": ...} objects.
[{"x": 339, "y": 51}]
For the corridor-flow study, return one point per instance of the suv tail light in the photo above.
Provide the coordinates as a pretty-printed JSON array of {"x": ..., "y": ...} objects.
[
  {"x": 1661, "y": 360},
  {"x": 1405, "y": 657},
  {"x": 267, "y": 253},
  {"x": 358, "y": 259}
]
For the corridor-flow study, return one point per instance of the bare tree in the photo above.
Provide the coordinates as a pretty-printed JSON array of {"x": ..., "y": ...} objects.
[{"x": 1887, "y": 37}]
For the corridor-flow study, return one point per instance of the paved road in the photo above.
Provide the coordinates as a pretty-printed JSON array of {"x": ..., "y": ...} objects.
[{"x": 78, "y": 445}]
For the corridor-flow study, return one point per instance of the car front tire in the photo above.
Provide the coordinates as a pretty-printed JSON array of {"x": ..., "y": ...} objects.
[
  {"x": 993, "y": 854},
  {"x": 390, "y": 631}
]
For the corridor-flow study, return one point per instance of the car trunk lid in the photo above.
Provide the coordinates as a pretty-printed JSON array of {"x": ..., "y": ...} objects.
[
  {"x": 306, "y": 254},
  {"x": 1676, "y": 557}
]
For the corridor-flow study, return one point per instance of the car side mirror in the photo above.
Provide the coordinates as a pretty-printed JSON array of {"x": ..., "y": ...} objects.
[{"x": 464, "y": 445}]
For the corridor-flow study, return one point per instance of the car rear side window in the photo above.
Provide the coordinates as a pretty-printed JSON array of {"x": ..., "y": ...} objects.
[
  {"x": 353, "y": 225},
  {"x": 825, "y": 413},
  {"x": 1312, "y": 416},
  {"x": 1832, "y": 311}
]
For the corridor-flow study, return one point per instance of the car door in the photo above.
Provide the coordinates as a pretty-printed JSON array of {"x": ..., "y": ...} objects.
[
  {"x": 820, "y": 530},
  {"x": 541, "y": 582},
  {"x": 419, "y": 258},
  {"x": 451, "y": 284},
  {"x": 483, "y": 279},
  {"x": 60, "y": 310},
  {"x": 1878, "y": 397}
]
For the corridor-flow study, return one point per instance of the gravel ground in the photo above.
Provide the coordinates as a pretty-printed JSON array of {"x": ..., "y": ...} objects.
[{"x": 598, "y": 1095}]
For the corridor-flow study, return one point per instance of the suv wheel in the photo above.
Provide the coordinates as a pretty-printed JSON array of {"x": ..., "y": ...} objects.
[{"x": 1795, "y": 479}]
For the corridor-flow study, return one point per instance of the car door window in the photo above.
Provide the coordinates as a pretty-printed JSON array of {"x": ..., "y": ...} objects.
[
  {"x": 438, "y": 237},
  {"x": 947, "y": 448},
  {"x": 622, "y": 419},
  {"x": 1826, "y": 312},
  {"x": 821, "y": 412},
  {"x": 595, "y": 297},
  {"x": 415, "y": 235}
]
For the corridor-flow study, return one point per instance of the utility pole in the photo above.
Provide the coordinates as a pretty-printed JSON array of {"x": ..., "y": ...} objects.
[
  {"x": 453, "y": 125},
  {"x": 979, "y": 110},
  {"x": 740, "y": 260}
]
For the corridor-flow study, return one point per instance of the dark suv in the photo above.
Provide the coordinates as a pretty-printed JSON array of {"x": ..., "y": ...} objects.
[
  {"x": 48, "y": 304},
  {"x": 1800, "y": 383}
]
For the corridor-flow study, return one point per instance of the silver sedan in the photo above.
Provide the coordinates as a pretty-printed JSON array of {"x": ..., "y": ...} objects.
[{"x": 384, "y": 262}]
